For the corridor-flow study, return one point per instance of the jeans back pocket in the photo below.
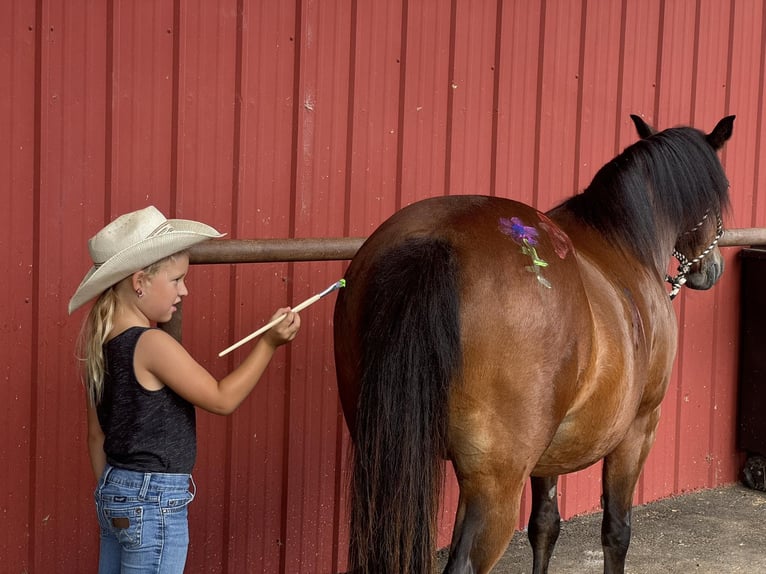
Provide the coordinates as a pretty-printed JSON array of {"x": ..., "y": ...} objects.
[{"x": 125, "y": 522}]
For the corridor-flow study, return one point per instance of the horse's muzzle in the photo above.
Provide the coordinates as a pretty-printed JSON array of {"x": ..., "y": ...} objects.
[{"x": 706, "y": 277}]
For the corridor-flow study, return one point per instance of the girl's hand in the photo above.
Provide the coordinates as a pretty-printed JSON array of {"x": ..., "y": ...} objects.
[{"x": 284, "y": 331}]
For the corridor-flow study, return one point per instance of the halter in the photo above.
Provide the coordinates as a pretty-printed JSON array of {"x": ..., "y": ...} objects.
[{"x": 685, "y": 264}]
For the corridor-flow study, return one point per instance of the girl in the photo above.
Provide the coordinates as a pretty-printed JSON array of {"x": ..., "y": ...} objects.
[{"x": 142, "y": 387}]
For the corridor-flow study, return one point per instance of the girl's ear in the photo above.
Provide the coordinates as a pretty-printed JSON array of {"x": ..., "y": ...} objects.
[{"x": 138, "y": 280}]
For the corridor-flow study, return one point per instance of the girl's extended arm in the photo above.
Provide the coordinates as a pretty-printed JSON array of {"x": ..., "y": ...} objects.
[{"x": 160, "y": 359}]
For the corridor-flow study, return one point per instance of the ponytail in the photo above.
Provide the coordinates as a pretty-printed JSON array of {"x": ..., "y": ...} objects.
[{"x": 90, "y": 344}]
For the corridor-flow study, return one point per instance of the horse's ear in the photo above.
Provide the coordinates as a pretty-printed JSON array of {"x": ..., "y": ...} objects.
[
  {"x": 644, "y": 130},
  {"x": 721, "y": 132}
]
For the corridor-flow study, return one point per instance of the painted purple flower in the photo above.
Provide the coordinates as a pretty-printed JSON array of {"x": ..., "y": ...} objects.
[{"x": 519, "y": 232}]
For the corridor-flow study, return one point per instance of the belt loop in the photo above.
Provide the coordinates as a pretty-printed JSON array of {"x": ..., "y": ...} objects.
[
  {"x": 193, "y": 486},
  {"x": 107, "y": 471},
  {"x": 145, "y": 485},
  {"x": 104, "y": 476}
]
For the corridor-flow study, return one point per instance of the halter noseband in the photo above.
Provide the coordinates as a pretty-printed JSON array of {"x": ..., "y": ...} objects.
[{"x": 685, "y": 264}]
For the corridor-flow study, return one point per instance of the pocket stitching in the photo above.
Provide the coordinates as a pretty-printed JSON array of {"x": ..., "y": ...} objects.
[{"x": 125, "y": 536}]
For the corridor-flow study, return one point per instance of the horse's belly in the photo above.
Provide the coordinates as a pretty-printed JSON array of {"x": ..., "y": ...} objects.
[
  {"x": 585, "y": 437},
  {"x": 571, "y": 451}
]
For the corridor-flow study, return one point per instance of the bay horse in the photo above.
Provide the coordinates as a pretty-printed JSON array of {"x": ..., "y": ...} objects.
[{"x": 519, "y": 345}]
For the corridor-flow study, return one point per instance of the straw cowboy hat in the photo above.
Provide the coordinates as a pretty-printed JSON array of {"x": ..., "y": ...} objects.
[{"x": 132, "y": 242}]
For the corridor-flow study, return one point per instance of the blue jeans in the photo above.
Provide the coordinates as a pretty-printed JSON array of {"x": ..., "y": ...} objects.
[{"x": 144, "y": 521}]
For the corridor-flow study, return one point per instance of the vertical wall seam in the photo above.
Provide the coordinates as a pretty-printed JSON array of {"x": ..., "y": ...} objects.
[
  {"x": 495, "y": 98},
  {"x": 539, "y": 106},
  {"x": 450, "y": 98},
  {"x": 658, "y": 67},
  {"x": 692, "y": 120},
  {"x": 729, "y": 65},
  {"x": 297, "y": 73},
  {"x": 35, "y": 332},
  {"x": 579, "y": 102},
  {"x": 402, "y": 106},
  {"x": 349, "y": 160},
  {"x": 108, "y": 112},
  {"x": 236, "y": 175},
  {"x": 714, "y": 385},
  {"x": 228, "y": 502},
  {"x": 695, "y": 63},
  {"x": 175, "y": 104},
  {"x": 679, "y": 435},
  {"x": 347, "y": 200},
  {"x": 620, "y": 78},
  {"x": 759, "y": 120}
]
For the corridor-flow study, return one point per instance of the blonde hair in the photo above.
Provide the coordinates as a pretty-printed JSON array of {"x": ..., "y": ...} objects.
[
  {"x": 94, "y": 333},
  {"x": 95, "y": 330}
]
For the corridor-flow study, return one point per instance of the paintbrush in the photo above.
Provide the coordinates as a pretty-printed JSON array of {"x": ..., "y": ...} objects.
[{"x": 310, "y": 301}]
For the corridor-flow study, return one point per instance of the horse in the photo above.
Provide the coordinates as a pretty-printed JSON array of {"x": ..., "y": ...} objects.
[{"x": 519, "y": 345}]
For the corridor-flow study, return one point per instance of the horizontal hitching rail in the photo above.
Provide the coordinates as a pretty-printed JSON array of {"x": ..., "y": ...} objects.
[
  {"x": 275, "y": 250},
  {"x": 343, "y": 248}
]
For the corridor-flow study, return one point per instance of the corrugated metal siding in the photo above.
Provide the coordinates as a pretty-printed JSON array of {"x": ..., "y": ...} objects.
[{"x": 320, "y": 119}]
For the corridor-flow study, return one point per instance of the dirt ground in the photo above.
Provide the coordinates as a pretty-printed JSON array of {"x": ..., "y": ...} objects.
[{"x": 718, "y": 531}]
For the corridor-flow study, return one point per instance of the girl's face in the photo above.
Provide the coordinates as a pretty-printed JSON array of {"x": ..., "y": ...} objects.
[{"x": 163, "y": 289}]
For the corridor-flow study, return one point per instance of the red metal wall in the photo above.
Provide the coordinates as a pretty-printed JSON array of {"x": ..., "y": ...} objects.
[{"x": 318, "y": 119}]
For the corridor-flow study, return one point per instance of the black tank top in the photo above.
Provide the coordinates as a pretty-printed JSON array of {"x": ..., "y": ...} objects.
[{"x": 145, "y": 431}]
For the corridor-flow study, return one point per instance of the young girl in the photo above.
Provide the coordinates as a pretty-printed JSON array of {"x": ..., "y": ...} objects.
[{"x": 142, "y": 387}]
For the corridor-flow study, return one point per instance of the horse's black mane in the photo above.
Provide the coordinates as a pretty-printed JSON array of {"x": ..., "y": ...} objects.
[{"x": 661, "y": 185}]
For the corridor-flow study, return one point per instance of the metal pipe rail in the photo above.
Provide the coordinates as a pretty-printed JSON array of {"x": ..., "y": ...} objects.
[
  {"x": 743, "y": 237},
  {"x": 275, "y": 250},
  {"x": 343, "y": 248}
]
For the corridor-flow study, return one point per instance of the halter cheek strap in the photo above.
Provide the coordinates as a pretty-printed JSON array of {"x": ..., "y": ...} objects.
[{"x": 685, "y": 264}]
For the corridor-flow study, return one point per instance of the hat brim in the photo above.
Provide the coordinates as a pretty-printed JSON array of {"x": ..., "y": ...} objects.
[{"x": 184, "y": 235}]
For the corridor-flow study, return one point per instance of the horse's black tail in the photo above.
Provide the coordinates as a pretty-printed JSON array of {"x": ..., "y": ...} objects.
[{"x": 410, "y": 333}]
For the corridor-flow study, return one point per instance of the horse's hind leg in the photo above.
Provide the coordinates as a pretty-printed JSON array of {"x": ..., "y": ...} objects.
[
  {"x": 488, "y": 511},
  {"x": 620, "y": 475},
  {"x": 615, "y": 525},
  {"x": 544, "y": 521}
]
